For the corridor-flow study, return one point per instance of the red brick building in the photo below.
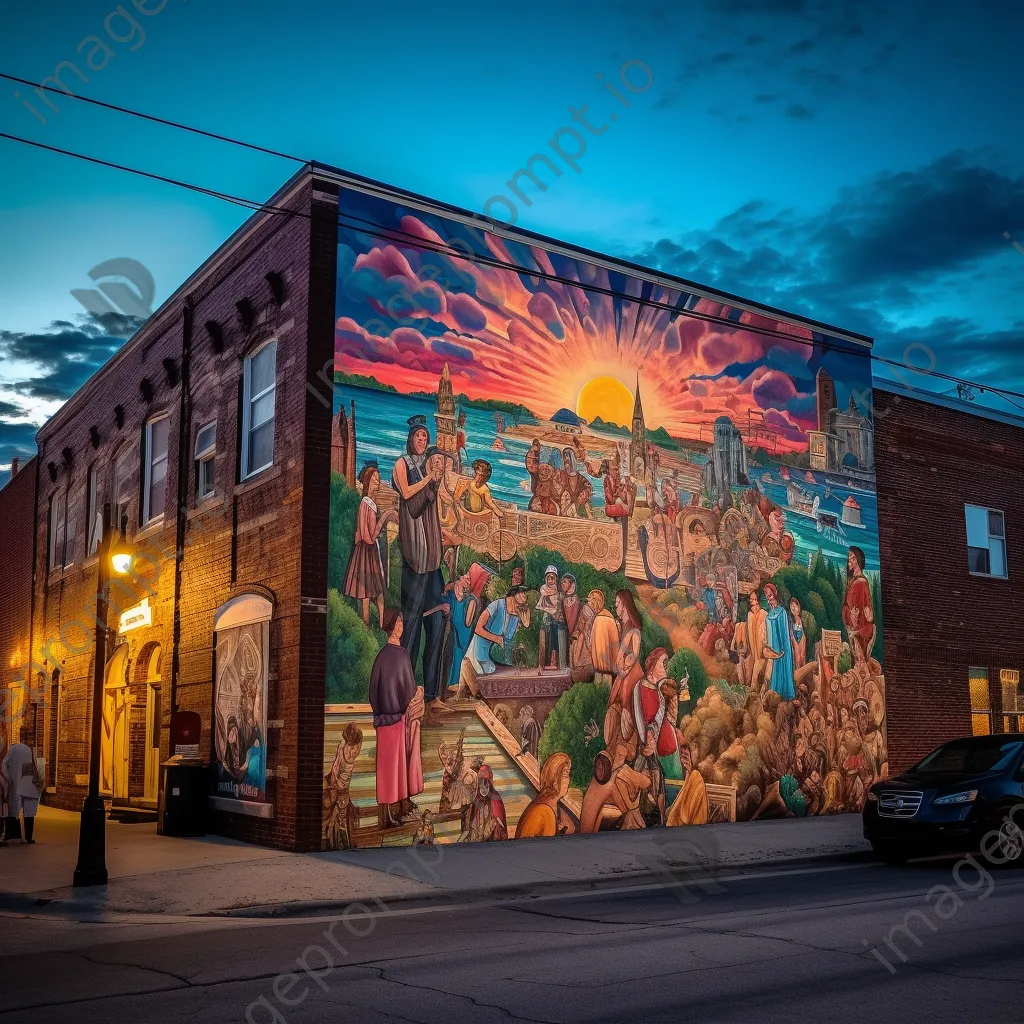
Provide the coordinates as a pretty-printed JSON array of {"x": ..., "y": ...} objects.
[
  {"x": 22, "y": 697},
  {"x": 202, "y": 435},
  {"x": 950, "y": 480},
  {"x": 210, "y": 434}
]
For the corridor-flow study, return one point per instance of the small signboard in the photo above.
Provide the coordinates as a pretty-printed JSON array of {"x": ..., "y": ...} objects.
[
  {"x": 831, "y": 643},
  {"x": 133, "y": 618}
]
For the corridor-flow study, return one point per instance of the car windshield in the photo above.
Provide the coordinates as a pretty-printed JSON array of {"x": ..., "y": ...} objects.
[{"x": 991, "y": 754}]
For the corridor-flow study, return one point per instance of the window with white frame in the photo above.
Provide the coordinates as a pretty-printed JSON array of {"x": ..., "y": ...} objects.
[
  {"x": 58, "y": 522},
  {"x": 93, "y": 516},
  {"x": 259, "y": 386},
  {"x": 206, "y": 449},
  {"x": 122, "y": 486},
  {"x": 986, "y": 541},
  {"x": 155, "y": 483}
]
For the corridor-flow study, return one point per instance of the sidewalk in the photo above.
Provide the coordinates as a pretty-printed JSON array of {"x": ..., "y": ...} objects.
[{"x": 162, "y": 875}]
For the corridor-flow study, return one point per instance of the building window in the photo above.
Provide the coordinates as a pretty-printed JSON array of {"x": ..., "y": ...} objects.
[
  {"x": 259, "y": 388},
  {"x": 981, "y": 704},
  {"x": 986, "y": 541},
  {"x": 93, "y": 516},
  {"x": 58, "y": 524},
  {"x": 1013, "y": 700},
  {"x": 156, "y": 469},
  {"x": 122, "y": 487},
  {"x": 206, "y": 449}
]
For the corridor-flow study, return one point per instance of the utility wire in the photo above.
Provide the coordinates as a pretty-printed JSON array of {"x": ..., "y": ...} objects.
[
  {"x": 154, "y": 119},
  {"x": 249, "y": 204},
  {"x": 404, "y": 238}
]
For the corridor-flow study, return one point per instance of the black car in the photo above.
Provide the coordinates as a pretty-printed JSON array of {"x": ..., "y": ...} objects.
[{"x": 951, "y": 801}]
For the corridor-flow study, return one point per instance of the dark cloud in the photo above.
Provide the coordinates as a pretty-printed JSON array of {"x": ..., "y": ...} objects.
[
  {"x": 870, "y": 262},
  {"x": 909, "y": 225},
  {"x": 16, "y": 439},
  {"x": 66, "y": 354},
  {"x": 798, "y": 112}
]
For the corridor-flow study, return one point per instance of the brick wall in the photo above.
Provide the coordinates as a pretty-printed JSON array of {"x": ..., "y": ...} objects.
[
  {"x": 940, "y": 620},
  {"x": 17, "y": 511},
  {"x": 246, "y": 537}
]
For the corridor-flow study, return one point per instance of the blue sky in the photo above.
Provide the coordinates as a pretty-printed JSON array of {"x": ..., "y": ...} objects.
[{"x": 857, "y": 162}]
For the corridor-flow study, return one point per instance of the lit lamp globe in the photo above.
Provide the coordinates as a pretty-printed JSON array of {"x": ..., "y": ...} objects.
[{"x": 121, "y": 558}]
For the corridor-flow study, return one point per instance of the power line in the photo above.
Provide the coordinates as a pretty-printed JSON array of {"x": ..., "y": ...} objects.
[
  {"x": 401, "y": 237},
  {"x": 156, "y": 120},
  {"x": 418, "y": 242},
  {"x": 249, "y": 204}
]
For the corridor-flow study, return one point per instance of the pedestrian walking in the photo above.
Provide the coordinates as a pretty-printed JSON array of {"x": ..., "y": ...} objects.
[{"x": 25, "y": 787}]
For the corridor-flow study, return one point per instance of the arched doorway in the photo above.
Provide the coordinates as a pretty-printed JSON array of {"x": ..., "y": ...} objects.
[
  {"x": 114, "y": 745},
  {"x": 147, "y": 674}
]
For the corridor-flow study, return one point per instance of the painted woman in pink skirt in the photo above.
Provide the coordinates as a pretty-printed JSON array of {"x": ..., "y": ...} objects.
[
  {"x": 364, "y": 579},
  {"x": 392, "y": 690}
]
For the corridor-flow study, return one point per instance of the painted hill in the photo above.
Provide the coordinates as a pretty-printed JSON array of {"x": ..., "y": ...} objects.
[{"x": 566, "y": 416}]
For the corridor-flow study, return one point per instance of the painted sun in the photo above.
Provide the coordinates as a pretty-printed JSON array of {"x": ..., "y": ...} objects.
[{"x": 608, "y": 398}]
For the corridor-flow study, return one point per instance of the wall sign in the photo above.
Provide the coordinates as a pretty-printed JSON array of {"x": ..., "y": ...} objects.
[{"x": 134, "y": 618}]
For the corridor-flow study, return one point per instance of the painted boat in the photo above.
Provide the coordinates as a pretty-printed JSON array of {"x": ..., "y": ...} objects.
[
  {"x": 800, "y": 501},
  {"x": 498, "y": 445}
]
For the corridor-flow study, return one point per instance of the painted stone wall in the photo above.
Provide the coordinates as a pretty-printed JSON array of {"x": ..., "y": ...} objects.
[{"x": 603, "y": 553}]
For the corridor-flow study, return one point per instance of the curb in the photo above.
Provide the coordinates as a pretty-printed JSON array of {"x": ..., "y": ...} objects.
[
  {"x": 36, "y": 905},
  {"x": 535, "y": 890}
]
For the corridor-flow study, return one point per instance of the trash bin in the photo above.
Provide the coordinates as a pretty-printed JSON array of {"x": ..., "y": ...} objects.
[{"x": 183, "y": 798}]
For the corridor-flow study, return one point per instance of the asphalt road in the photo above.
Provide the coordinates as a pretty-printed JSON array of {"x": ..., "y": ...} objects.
[{"x": 768, "y": 946}]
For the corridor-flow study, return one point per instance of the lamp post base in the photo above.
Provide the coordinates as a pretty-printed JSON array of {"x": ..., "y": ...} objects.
[{"x": 92, "y": 844}]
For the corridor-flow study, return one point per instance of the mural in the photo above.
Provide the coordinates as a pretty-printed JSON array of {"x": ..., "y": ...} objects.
[
  {"x": 603, "y": 554},
  {"x": 240, "y": 713}
]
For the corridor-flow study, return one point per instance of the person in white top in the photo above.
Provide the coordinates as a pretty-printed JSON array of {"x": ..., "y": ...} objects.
[{"x": 25, "y": 787}]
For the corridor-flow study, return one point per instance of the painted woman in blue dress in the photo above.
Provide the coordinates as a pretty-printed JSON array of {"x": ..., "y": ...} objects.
[
  {"x": 255, "y": 765},
  {"x": 779, "y": 648},
  {"x": 463, "y": 596}
]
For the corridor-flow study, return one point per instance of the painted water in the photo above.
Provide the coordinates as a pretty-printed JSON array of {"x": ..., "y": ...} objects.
[{"x": 382, "y": 429}]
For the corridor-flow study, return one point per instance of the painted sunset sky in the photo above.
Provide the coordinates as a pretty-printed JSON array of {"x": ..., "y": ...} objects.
[{"x": 514, "y": 335}]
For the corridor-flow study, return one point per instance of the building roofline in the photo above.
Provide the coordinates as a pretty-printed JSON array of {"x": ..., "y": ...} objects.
[
  {"x": 158, "y": 322},
  {"x": 21, "y": 469},
  {"x": 370, "y": 185},
  {"x": 891, "y": 387}
]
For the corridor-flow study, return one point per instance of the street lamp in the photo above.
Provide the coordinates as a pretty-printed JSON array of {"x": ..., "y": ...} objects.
[{"x": 114, "y": 555}]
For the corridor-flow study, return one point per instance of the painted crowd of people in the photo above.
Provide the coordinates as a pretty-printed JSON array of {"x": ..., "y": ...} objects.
[{"x": 456, "y": 630}]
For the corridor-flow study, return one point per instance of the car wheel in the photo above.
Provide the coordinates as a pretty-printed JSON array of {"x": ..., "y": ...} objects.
[
  {"x": 1006, "y": 848},
  {"x": 890, "y": 854}
]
